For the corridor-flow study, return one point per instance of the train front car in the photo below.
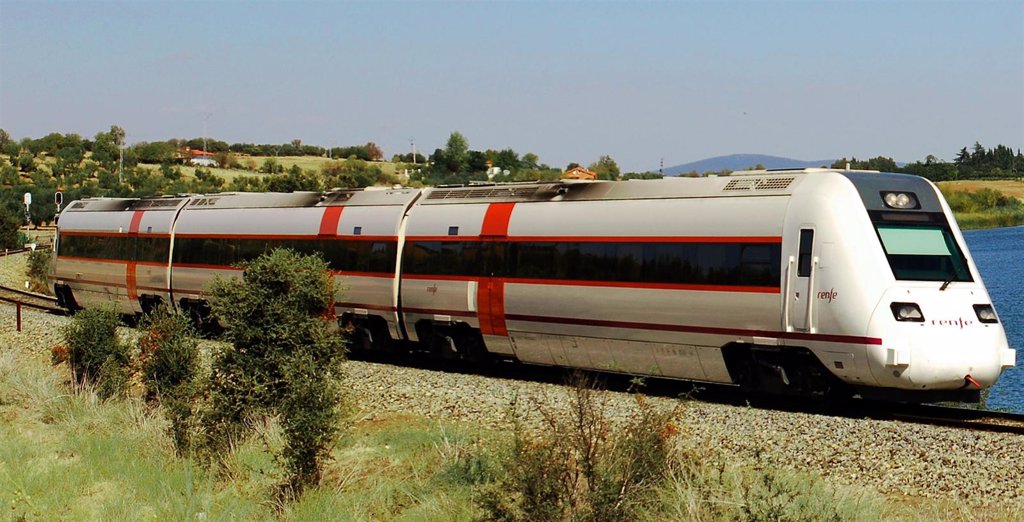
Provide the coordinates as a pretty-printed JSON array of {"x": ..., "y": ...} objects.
[
  {"x": 114, "y": 251},
  {"x": 878, "y": 258}
]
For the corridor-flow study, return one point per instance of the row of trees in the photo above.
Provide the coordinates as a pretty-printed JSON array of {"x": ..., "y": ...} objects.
[
  {"x": 999, "y": 162},
  {"x": 457, "y": 163},
  {"x": 107, "y": 146}
]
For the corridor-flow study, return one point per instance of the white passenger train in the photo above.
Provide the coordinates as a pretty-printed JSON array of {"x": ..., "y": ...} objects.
[{"x": 809, "y": 281}]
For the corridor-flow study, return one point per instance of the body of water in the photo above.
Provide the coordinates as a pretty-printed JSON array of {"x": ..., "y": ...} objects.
[{"x": 999, "y": 254}]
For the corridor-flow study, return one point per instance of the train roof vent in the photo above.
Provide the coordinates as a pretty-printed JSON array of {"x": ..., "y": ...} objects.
[
  {"x": 502, "y": 192},
  {"x": 156, "y": 203},
  {"x": 777, "y": 183}
]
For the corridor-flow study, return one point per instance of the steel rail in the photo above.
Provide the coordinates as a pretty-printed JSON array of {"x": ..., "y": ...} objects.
[{"x": 31, "y": 299}]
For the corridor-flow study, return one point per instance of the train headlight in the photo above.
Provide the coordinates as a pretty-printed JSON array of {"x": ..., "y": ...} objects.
[
  {"x": 900, "y": 200},
  {"x": 907, "y": 312},
  {"x": 986, "y": 313}
]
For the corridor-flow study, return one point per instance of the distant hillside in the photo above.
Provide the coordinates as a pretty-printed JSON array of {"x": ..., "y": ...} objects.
[{"x": 741, "y": 162}]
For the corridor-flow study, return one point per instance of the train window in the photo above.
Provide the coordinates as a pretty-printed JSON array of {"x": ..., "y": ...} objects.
[
  {"x": 923, "y": 253},
  {"x": 803, "y": 268},
  {"x": 673, "y": 263}
]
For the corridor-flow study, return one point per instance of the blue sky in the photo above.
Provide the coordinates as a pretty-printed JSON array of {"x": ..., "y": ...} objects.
[{"x": 569, "y": 81}]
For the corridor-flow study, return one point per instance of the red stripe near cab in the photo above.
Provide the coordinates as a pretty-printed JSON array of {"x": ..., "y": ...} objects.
[
  {"x": 497, "y": 296},
  {"x": 329, "y": 223},
  {"x": 496, "y": 220},
  {"x": 483, "y": 307},
  {"x": 490, "y": 295},
  {"x": 136, "y": 220},
  {"x": 131, "y": 272}
]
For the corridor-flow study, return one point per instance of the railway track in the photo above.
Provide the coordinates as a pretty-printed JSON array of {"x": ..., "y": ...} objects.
[
  {"x": 927, "y": 414},
  {"x": 11, "y": 252},
  {"x": 31, "y": 300}
]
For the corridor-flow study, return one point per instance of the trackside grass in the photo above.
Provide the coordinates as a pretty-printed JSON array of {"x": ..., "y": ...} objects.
[{"x": 67, "y": 455}]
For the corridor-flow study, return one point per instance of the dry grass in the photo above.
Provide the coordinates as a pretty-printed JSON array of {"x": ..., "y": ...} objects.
[
  {"x": 1010, "y": 187},
  {"x": 251, "y": 163}
]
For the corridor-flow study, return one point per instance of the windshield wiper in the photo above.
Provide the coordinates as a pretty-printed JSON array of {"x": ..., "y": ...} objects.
[{"x": 945, "y": 284}]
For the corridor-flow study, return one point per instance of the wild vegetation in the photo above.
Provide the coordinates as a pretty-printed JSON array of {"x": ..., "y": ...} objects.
[
  {"x": 984, "y": 208},
  {"x": 66, "y": 454},
  {"x": 281, "y": 360}
]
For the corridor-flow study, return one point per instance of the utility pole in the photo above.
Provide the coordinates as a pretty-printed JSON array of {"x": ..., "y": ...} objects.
[
  {"x": 206, "y": 120},
  {"x": 412, "y": 141}
]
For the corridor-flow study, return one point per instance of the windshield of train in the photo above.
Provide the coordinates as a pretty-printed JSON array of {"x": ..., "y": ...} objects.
[{"x": 923, "y": 253}]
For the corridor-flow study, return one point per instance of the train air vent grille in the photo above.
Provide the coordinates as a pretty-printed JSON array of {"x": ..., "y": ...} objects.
[
  {"x": 758, "y": 184},
  {"x": 483, "y": 193},
  {"x": 157, "y": 203}
]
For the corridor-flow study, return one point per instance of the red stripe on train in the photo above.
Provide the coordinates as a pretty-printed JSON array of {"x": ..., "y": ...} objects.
[
  {"x": 694, "y": 329},
  {"x": 329, "y": 223}
]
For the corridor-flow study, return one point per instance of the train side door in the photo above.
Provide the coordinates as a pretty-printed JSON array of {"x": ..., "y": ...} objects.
[{"x": 798, "y": 309}]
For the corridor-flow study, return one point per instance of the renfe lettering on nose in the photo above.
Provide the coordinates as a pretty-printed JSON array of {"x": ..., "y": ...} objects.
[
  {"x": 828, "y": 295},
  {"x": 960, "y": 322}
]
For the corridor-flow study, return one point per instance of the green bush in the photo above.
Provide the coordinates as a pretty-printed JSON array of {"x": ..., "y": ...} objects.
[
  {"x": 170, "y": 362},
  {"x": 581, "y": 465},
  {"x": 38, "y": 269},
  {"x": 95, "y": 354},
  {"x": 284, "y": 359}
]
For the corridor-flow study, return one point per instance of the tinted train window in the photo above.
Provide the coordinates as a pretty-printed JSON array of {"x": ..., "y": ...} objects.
[
  {"x": 467, "y": 258},
  {"x": 152, "y": 249},
  {"x": 340, "y": 255},
  {"x": 803, "y": 267},
  {"x": 120, "y": 248},
  {"x": 741, "y": 264},
  {"x": 923, "y": 253}
]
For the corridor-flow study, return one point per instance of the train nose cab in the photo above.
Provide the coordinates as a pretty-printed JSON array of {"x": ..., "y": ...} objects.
[{"x": 937, "y": 323}]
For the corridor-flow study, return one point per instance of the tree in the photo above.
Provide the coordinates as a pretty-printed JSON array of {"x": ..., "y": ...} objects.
[
  {"x": 456, "y": 152},
  {"x": 68, "y": 160},
  {"x": 606, "y": 168},
  {"x": 12, "y": 149},
  {"x": 963, "y": 157},
  {"x": 156, "y": 152},
  {"x": 297, "y": 143},
  {"x": 530, "y": 161},
  {"x": 9, "y": 223},
  {"x": 117, "y": 134},
  {"x": 105, "y": 149},
  {"x": 5, "y": 138},
  {"x": 507, "y": 159},
  {"x": 375, "y": 152}
]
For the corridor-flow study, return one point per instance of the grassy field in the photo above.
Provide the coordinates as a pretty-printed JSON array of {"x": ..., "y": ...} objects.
[
  {"x": 251, "y": 163},
  {"x": 981, "y": 212},
  {"x": 1014, "y": 188}
]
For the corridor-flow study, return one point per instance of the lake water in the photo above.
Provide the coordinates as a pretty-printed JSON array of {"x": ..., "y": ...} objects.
[{"x": 999, "y": 254}]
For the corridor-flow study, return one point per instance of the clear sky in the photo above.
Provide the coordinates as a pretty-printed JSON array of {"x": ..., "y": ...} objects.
[{"x": 569, "y": 81}]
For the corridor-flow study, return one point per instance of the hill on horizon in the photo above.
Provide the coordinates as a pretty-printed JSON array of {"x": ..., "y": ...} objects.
[{"x": 742, "y": 162}]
